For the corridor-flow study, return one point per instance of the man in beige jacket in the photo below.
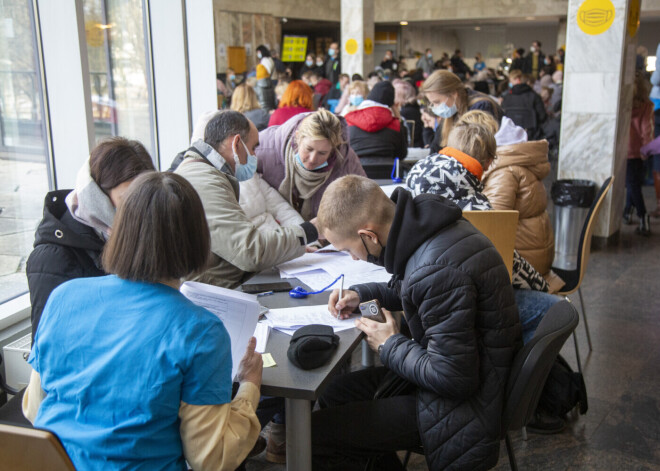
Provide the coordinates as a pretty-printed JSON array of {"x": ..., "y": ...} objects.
[{"x": 214, "y": 167}]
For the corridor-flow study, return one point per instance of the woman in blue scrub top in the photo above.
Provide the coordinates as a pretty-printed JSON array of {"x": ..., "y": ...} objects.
[{"x": 127, "y": 372}]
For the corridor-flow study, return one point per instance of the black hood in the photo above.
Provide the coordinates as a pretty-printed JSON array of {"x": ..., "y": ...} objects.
[
  {"x": 59, "y": 227},
  {"x": 415, "y": 221},
  {"x": 521, "y": 88}
]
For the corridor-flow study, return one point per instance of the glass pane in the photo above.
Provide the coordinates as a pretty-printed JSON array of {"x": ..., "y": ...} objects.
[
  {"x": 119, "y": 78},
  {"x": 23, "y": 144}
]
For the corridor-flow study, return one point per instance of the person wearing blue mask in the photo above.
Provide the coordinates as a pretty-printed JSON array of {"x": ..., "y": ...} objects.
[
  {"x": 215, "y": 166},
  {"x": 425, "y": 63},
  {"x": 309, "y": 65},
  {"x": 332, "y": 65},
  {"x": 449, "y": 99},
  {"x": 304, "y": 155}
]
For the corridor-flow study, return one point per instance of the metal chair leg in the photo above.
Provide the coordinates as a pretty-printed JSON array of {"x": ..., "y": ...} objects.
[
  {"x": 406, "y": 459},
  {"x": 584, "y": 317},
  {"x": 577, "y": 353},
  {"x": 524, "y": 433},
  {"x": 509, "y": 450}
]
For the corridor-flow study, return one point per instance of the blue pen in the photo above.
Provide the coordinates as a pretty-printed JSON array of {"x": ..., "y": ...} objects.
[{"x": 265, "y": 293}]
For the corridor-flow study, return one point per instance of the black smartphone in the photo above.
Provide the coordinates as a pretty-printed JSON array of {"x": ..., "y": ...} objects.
[{"x": 256, "y": 288}]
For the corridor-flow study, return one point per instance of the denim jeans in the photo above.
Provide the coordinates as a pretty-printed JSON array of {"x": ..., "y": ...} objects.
[{"x": 532, "y": 306}]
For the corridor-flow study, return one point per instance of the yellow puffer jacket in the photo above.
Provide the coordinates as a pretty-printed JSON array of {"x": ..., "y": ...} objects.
[{"x": 514, "y": 181}]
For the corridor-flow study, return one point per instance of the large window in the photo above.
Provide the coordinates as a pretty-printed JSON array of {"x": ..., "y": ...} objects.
[
  {"x": 120, "y": 78},
  {"x": 23, "y": 143}
]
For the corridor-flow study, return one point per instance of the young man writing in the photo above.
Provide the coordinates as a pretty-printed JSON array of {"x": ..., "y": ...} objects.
[{"x": 458, "y": 304}]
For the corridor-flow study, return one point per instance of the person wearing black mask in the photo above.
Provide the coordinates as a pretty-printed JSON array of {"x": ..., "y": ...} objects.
[{"x": 458, "y": 302}]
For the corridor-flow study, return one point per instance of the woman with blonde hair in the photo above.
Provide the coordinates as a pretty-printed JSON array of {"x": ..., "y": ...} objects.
[
  {"x": 244, "y": 100},
  {"x": 297, "y": 98},
  {"x": 450, "y": 99},
  {"x": 357, "y": 93},
  {"x": 405, "y": 100},
  {"x": 303, "y": 156}
]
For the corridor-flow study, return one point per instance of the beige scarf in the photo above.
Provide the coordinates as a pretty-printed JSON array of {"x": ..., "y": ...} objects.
[{"x": 306, "y": 182}]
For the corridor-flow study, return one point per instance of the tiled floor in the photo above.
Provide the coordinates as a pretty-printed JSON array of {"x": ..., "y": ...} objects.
[{"x": 621, "y": 430}]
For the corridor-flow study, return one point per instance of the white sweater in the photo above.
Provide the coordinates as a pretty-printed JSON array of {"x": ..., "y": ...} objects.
[{"x": 265, "y": 207}]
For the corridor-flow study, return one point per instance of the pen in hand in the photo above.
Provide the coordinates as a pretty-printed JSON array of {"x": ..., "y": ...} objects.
[{"x": 341, "y": 293}]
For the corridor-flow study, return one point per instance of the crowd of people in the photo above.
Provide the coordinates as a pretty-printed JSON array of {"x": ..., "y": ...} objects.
[{"x": 128, "y": 373}]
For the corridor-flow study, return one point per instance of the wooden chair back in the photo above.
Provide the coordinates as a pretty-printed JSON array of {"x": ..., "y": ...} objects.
[
  {"x": 500, "y": 227},
  {"x": 31, "y": 449}
]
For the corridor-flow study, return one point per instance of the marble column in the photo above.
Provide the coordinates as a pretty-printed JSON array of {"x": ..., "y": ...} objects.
[
  {"x": 597, "y": 99},
  {"x": 357, "y": 37}
]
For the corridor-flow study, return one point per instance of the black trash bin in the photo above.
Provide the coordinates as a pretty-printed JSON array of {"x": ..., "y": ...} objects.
[{"x": 572, "y": 200}]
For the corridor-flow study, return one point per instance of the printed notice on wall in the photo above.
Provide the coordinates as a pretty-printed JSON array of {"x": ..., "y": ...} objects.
[{"x": 294, "y": 48}]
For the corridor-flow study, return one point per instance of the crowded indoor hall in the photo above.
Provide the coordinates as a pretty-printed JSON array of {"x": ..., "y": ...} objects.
[{"x": 329, "y": 235}]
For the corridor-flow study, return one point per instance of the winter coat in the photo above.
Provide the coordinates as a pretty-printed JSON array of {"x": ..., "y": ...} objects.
[
  {"x": 375, "y": 132},
  {"x": 525, "y": 107},
  {"x": 425, "y": 64},
  {"x": 64, "y": 249},
  {"x": 455, "y": 293},
  {"x": 271, "y": 157},
  {"x": 448, "y": 174},
  {"x": 265, "y": 93},
  {"x": 259, "y": 117},
  {"x": 528, "y": 66},
  {"x": 282, "y": 115},
  {"x": 411, "y": 112},
  {"x": 238, "y": 248},
  {"x": 641, "y": 129},
  {"x": 265, "y": 207},
  {"x": 456, "y": 176},
  {"x": 514, "y": 182}
]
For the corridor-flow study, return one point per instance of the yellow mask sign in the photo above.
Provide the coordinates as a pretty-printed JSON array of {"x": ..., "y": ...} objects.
[
  {"x": 351, "y": 46},
  {"x": 633, "y": 17},
  {"x": 595, "y": 16}
]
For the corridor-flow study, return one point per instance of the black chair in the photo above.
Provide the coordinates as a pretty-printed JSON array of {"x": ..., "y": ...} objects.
[
  {"x": 531, "y": 367},
  {"x": 573, "y": 278},
  {"x": 529, "y": 371}
]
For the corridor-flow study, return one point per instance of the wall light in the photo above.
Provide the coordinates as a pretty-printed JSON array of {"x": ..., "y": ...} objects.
[
  {"x": 530, "y": 18},
  {"x": 477, "y": 28},
  {"x": 403, "y": 23}
]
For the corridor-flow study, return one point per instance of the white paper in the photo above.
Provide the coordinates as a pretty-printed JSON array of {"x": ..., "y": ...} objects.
[
  {"x": 261, "y": 333},
  {"x": 389, "y": 189},
  {"x": 238, "y": 311},
  {"x": 288, "y": 320},
  {"x": 319, "y": 279}
]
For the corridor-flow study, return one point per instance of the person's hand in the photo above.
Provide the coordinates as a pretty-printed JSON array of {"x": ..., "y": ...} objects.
[
  {"x": 310, "y": 249},
  {"x": 377, "y": 332},
  {"x": 251, "y": 366},
  {"x": 342, "y": 308}
]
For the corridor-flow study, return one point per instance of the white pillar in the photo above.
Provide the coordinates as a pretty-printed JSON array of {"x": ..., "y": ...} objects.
[
  {"x": 597, "y": 98},
  {"x": 357, "y": 37}
]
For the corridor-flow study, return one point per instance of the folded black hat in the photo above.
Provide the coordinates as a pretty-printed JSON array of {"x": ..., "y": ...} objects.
[
  {"x": 383, "y": 93},
  {"x": 312, "y": 346}
]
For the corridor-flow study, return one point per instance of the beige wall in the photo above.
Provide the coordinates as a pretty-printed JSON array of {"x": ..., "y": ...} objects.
[
  {"x": 441, "y": 10},
  {"x": 237, "y": 29},
  {"x": 327, "y": 10}
]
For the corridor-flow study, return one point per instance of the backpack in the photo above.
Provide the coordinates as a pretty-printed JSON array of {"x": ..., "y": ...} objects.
[{"x": 564, "y": 389}]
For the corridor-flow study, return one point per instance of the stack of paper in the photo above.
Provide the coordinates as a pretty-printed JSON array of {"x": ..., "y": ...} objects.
[
  {"x": 239, "y": 312},
  {"x": 289, "y": 320},
  {"x": 318, "y": 270}
]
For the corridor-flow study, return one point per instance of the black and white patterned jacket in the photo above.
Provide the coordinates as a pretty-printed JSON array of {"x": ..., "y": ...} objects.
[{"x": 443, "y": 175}]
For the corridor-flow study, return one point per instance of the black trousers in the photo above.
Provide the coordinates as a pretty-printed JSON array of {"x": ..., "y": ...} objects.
[
  {"x": 634, "y": 182},
  {"x": 351, "y": 426}
]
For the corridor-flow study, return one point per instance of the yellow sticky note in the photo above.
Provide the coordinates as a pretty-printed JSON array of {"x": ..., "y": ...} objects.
[{"x": 268, "y": 360}]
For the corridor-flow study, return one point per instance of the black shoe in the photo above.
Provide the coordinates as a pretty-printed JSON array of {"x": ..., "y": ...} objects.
[
  {"x": 644, "y": 226},
  {"x": 628, "y": 216},
  {"x": 545, "y": 424}
]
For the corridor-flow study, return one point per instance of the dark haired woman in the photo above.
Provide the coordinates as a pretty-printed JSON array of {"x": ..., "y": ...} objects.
[
  {"x": 76, "y": 223},
  {"x": 127, "y": 372}
]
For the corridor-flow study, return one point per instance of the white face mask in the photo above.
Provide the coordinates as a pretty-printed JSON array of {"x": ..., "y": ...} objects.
[{"x": 532, "y": 49}]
